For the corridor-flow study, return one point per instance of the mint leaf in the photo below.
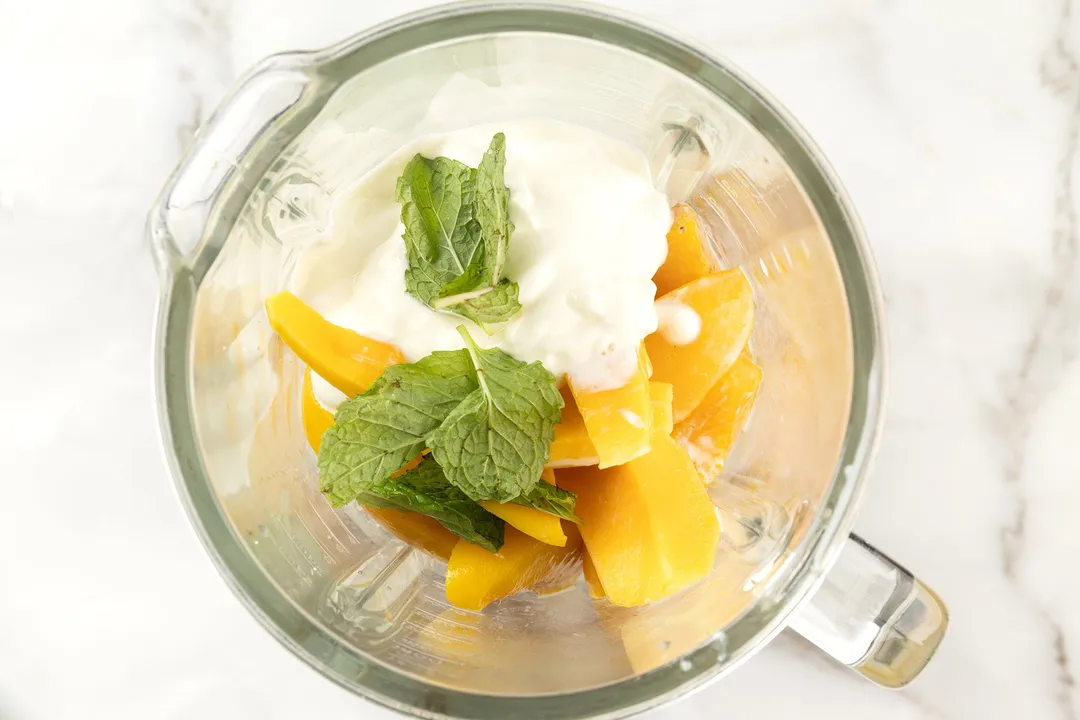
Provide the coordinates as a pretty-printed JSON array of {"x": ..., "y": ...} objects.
[
  {"x": 377, "y": 432},
  {"x": 457, "y": 231},
  {"x": 424, "y": 490},
  {"x": 493, "y": 207},
  {"x": 552, "y": 500},
  {"x": 495, "y": 443},
  {"x": 443, "y": 240},
  {"x": 490, "y": 305}
]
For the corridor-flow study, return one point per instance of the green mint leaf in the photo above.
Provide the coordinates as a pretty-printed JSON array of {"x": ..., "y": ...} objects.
[
  {"x": 457, "y": 231},
  {"x": 424, "y": 490},
  {"x": 377, "y": 432},
  {"x": 493, "y": 207},
  {"x": 443, "y": 240},
  {"x": 495, "y": 443},
  {"x": 552, "y": 500},
  {"x": 489, "y": 305}
]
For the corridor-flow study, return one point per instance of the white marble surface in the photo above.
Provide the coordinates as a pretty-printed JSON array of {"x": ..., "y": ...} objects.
[{"x": 955, "y": 125}]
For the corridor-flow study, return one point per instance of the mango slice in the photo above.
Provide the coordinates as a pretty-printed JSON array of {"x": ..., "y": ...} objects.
[
  {"x": 619, "y": 421},
  {"x": 592, "y": 580},
  {"x": 476, "y": 578},
  {"x": 345, "y": 359},
  {"x": 417, "y": 530},
  {"x": 413, "y": 528},
  {"x": 572, "y": 446},
  {"x": 648, "y": 526},
  {"x": 725, "y": 305},
  {"x": 535, "y": 523},
  {"x": 710, "y": 430},
  {"x": 661, "y": 395},
  {"x": 687, "y": 257}
]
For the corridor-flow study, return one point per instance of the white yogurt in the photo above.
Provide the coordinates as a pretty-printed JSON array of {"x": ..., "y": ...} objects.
[
  {"x": 590, "y": 232},
  {"x": 678, "y": 323}
]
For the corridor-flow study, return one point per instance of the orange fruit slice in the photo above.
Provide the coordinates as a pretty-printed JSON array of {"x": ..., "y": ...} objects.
[
  {"x": 592, "y": 580},
  {"x": 345, "y": 359},
  {"x": 649, "y": 526},
  {"x": 476, "y": 578},
  {"x": 710, "y": 430},
  {"x": 619, "y": 421},
  {"x": 724, "y": 304},
  {"x": 572, "y": 446},
  {"x": 687, "y": 256},
  {"x": 537, "y": 524}
]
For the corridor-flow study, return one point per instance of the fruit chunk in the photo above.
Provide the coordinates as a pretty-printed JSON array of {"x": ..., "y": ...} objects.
[
  {"x": 572, "y": 446},
  {"x": 661, "y": 395},
  {"x": 649, "y": 527},
  {"x": 475, "y": 577},
  {"x": 687, "y": 257},
  {"x": 724, "y": 302},
  {"x": 709, "y": 432},
  {"x": 592, "y": 580},
  {"x": 538, "y": 524},
  {"x": 619, "y": 421},
  {"x": 345, "y": 359},
  {"x": 418, "y": 530},
  {"x": 413, "y": 528}
]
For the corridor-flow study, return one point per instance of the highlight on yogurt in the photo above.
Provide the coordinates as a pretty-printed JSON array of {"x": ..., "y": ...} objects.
[{"x": 539, "y": 369}]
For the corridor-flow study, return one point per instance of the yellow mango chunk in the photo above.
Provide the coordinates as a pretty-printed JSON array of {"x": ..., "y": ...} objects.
[
  {"x": 709, "y": 432},
  {"x": 687, "y": 256},
  {"x": 572, "y": 446},
  {"x": 476, "y": 578},
  {"x": 619, "y": 421},
  {"x": 415, "y": 529},
  {"x": 724, "y": 303},
  {"x": 345, "y": 359},
  {"x": 538, "y": 524},
  {"x": 661, "y": 395},
  {"x": 648, "y": 526},
  {"x": 592, "y": 580}
]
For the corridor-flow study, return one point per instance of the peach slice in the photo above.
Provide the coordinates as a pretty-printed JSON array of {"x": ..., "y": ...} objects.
[
  {"x": 687, "y": 257},
  {"x": 413, "y": 528},
  {"x": 709, "y": 432},
  {"x": 649, "y": 527},
  {"x": 572, "y": 446},
  {"x": 476, "y": 578},
  {"x": 538, "y": 524},
  {"x": 724, "y": 303},
  {"x": 345, "y": 359},
  {"x": 618, "y": 421}
]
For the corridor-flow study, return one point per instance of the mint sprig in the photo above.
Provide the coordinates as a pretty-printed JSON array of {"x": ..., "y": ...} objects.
[
  {"x": 487, "y": 417},
  {"x": 377, "y": 432},
  {"x": 457, "y": 231},
  {"x": 495, "y": 443},
  {"x": 424, "y": 489}
]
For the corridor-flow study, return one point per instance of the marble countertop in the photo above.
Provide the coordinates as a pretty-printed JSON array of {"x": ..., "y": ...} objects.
[{"x": 955, "y": 126}]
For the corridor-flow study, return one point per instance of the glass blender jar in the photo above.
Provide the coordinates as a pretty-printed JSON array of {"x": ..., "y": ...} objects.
[{"x": 255, "y": 192}]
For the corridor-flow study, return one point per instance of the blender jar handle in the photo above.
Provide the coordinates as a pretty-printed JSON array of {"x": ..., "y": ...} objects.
[
  {"x": 262, "y": 97},
  {"x": 874, "y": 616}
]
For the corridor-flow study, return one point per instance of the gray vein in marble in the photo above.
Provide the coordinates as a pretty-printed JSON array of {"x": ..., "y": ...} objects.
[
  {"x": 1066, "y": 680},
  {"x": 1051, "y": 346}
]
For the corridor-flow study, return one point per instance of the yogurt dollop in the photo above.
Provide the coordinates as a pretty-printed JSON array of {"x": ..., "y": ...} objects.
[{"x": 589, "y": 233}]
